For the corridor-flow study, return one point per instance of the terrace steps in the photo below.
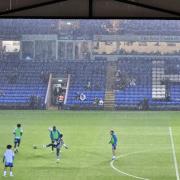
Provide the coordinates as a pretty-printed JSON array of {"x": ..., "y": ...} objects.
[{"x": 109, "y": 102}]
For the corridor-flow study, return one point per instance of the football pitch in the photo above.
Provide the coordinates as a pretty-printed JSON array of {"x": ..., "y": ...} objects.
[{"x": 148, "y": 145}]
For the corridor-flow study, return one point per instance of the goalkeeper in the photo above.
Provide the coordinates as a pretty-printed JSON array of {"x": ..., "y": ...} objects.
[
  {"x": 58, "y": 144},
  {"x": 113, "y": 142}
]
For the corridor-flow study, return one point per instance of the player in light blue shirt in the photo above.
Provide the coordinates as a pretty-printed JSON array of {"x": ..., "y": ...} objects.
[
  {"x": 8, "y": 160},
  {"x": 113, "y": 141}
]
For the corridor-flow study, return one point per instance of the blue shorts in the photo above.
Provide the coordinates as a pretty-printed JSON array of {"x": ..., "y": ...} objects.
[
  {"x": 8, "y": 164},
  {"x": 17, "y": 141},
  {"x": 114, "y": 146}
]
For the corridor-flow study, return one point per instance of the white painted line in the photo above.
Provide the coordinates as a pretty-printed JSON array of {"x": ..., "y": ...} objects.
[
  {"x": 124, "y": 173},
  {"x": 174, "y": 153}
]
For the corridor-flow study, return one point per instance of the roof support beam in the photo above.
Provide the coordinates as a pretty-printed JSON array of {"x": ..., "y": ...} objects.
[
  {"x": 146, "y": 6},
  {"x": 31, "y": 7}
]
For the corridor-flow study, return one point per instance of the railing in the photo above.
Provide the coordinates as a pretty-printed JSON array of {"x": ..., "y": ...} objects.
[
  {"x": 47, "y": 101},
  {"x": 67, "y": 89}
]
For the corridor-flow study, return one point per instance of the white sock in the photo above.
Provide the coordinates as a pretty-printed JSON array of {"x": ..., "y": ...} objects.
[
  {"x": 11, "y": 174},
  {"x": 5, "y": 173},
  {"x": 58, "y": 157}
]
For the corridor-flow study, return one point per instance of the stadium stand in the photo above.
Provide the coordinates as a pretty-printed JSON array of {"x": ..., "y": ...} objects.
[
  {"x": 143, "y": 80},
  {"x": 148, "y": 84},
  {"x": 139, "y": 82},
  {"x": 19, "y": 82},
  {"x": 23, "y": 80},
  {"x": 87, "y": 84},
  {"x": 135, "y": 82},
  {"x": 145, "y": 27}
]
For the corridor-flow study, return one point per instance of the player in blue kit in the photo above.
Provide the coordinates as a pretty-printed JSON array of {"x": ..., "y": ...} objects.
[
  {"x": 8, "y": 160},
  {"x": 58, "y": 143},
  {"x": 113, "y": 142}
]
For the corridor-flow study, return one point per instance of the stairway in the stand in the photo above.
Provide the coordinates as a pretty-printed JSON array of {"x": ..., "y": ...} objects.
[
  {"x": 158, "y": 89},
  {"x": 109, "y": 101}
]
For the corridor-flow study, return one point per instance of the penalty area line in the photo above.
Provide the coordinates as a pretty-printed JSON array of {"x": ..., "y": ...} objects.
[{"x": 174, "y": 153}]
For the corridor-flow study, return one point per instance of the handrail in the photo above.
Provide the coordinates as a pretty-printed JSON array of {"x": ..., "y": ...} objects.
[
  {"x": 47, "y": 99},
  {"x": 67, "y": 89}
]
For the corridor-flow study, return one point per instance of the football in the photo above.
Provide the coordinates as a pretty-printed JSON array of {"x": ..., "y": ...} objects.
[{"x": 34, "y": 147}]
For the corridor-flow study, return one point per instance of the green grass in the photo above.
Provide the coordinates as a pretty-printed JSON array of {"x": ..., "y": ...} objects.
[{"x": 87, "y": 133}]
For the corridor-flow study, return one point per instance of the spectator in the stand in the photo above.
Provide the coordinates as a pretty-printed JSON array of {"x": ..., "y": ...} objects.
[
  {"x": 82, "y": 97},
  {"x": 166, "y": 82},
  {"x": 144, "y": 104},
  {"x": 123, "y": 81},
  {"x": 96, "y": 101},
  {"x": 132, "y": 82},
  {"x": 33, "y": 101},
  {"x": 77, "y": 97},
  {"x": 118, "y": 73},
  {"x": 117, "y": 83},
  {"x": 28, "y": 58},
  {"x": 56, "y": 91},
  {"x": 88, "y": 86},
  {"x": 101, "y": 102},
  {"x": 60, "y": 101},
  {"x": 60, "y": 89}
]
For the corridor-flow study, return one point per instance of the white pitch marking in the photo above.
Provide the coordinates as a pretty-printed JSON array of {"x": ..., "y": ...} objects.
[
  {"x": 122, "y": 172},
  {"x": 174, "y": 153}
]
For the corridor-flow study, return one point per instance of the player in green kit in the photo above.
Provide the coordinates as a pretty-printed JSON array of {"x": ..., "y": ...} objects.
[
  {"x": 113, "y": 142},
  {"x": 18, "y": 132},
  {"x": 54, "y": 135}
]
